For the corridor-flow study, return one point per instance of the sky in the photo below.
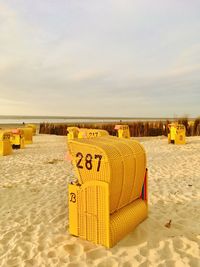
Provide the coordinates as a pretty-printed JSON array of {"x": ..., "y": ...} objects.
[{"x": 123, "y": 58}]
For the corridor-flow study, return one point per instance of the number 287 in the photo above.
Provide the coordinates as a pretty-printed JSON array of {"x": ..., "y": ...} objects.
[{"x": 88, "y": 161}]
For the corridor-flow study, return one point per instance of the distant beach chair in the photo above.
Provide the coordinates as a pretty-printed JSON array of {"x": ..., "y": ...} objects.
[
  {"x": 28, "y": 134},
  {"x": 122, "y": 131},
  {"x": 110, "y": 198},
  {"x": 17, "y": 138},
  {"x": 5, "y": 144},
  {"x": 33, "y": 126},
  {"x": 72, "y": 132},
  {"x": 91, "y": 133},
  {"x": 177, "y": 133}
]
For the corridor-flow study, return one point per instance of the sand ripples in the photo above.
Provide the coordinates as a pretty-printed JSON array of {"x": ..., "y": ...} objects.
[{"x": 33, "y": 210}]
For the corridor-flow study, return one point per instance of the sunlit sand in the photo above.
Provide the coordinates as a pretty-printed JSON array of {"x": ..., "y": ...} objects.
[{"x": 34, "y": 209}]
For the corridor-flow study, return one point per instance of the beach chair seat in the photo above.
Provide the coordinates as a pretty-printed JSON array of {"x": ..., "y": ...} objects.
[
  {"x": 110, "y": 198},
  {"x": 122, "y": 131},
  {"x": 5, "y": 144}
]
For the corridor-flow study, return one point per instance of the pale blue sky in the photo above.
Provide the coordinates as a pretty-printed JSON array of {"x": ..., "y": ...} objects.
[{"x": 100, "y": 58}]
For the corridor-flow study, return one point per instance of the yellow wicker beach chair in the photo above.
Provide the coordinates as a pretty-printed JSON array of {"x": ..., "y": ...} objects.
[
  {"x": 123, "y": 131},
  {"x": 33, "y": 126},
  {"x": 110, "y": 198},
  {"x": 91, "y": 133},
  {"x": 5, "y": 144},
  {"x": 17, "y": 138},
  {"x": 177, "y": 134},
  {"x": 28, "y": 134},
  {"x": 72, "y": 132},
  {"x": 180, "y": 135}
]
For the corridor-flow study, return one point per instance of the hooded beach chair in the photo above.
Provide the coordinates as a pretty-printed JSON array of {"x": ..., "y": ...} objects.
[
  {"x": 17, "y": 138},
  {"x": 110, "y": 197},
  {"x": 122, "y": 131},
  {"x": 28, "y": 134},
  {"x": 177, "y": 134},
  {"x": 5, "y": 144},
  {"x": 72, "y": 132},
  {"x": 33, "y": 126}
]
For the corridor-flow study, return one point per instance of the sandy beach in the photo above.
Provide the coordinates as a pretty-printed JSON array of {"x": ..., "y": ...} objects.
[{"x": 34, "y": 209}]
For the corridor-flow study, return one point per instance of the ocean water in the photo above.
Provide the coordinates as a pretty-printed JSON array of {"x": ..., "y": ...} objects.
[{"x": 49, "y": 119}]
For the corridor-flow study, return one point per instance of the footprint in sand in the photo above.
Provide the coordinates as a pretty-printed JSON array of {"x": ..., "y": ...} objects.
[
  {"x": 145, "y": 264},
  {"x": 108, "y": 262},
  {"x": 60, "y": 239},
  {"x": 7, "y": 186},
  {"x": 165, "y": 251},
  {"x": 15, "y": 261},
  {"x": 168, "y": 263},
  {"x": 77, "y": 264},
  {"x": 59, "y": 218},
  {"x": 127, "y": 264},
  {"x": 73, "y": 249},
  {"x": 178, "y": 243},
  {"x": 139, "y": 258},
  {"x": 30, "y": 262},
  {"x": 51, "y": 254},
  {"x": 41, "y": 248},
  {"x": 97, "y": 253},
  {"x": 144, "y": 251},
  {"x": 194, "y": 261}
]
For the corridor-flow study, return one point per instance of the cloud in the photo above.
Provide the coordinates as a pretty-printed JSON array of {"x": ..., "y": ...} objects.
[
  {"x": 115, "y": 58},
  {"x": 4, "y": 101},
  {"x": 12, "y": 107}
]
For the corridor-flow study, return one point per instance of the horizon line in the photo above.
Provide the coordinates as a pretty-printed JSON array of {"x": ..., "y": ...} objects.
[{"x": 89, "y": 117}]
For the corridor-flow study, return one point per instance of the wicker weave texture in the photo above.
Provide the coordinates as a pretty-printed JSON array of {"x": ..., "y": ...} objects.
[
  {"x": 122, "y": 165},
  {"x": 126, "y": 219},
  {"x": 89, "y": 216},
  {"x": 89, "y": 212},
  {"x": 110, "y": 198}
]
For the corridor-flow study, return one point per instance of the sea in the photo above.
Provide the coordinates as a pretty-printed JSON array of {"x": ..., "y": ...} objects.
[{"x": 4, "y": 119}]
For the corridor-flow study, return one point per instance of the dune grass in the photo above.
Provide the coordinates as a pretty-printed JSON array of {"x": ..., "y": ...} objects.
[{"x": 137, "y": 128}]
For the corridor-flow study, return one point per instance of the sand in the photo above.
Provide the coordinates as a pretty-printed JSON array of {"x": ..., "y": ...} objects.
[{"x": 34, "y": 210}]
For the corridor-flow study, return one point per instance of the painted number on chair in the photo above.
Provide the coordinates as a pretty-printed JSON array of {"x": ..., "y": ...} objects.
[
  {"x": 93, "y": 134},
  {"x": 87, "y": 161},
  {"x": 73, "y": 197}
]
